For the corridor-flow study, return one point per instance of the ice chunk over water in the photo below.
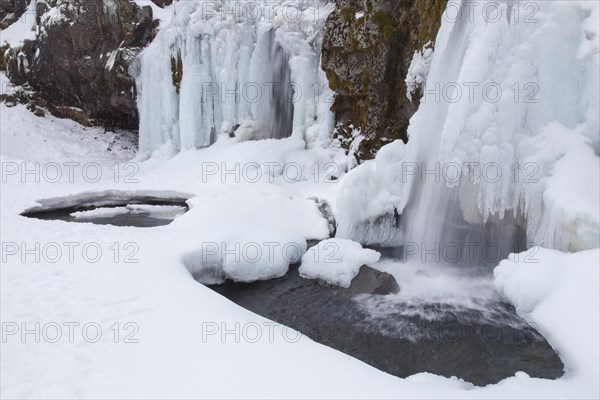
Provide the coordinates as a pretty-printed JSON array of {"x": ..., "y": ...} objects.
[
  {"x": 101, "y": 212},
  {"x": 156, "y": 211}
]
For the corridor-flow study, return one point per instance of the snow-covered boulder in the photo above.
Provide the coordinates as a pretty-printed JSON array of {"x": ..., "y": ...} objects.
[
  {"x": 336, "y": 261},
  {"x": 262, "y": 255}
]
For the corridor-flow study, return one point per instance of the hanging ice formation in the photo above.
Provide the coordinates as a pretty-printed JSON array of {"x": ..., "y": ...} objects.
[
  {"x": 507, "y": 136},
  {"x": 249, "y": 68}
]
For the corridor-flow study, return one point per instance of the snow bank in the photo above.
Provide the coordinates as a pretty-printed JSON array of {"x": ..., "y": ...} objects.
[
  {"x": 22, "y": 29},
  {"x": 254, "y": 256},
  {"x": 559, "y": 293},
  {"x": 336, "y": 261},
  {"x": 262, "y": 256}
]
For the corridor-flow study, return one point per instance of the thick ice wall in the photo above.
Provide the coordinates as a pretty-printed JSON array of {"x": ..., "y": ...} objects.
[{"x": 219, "y": 66}]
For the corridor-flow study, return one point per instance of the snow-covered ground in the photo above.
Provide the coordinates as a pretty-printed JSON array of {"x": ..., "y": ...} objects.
[
  {"x": 163, "y": 335},
  {"x": 90, "y": 311}
]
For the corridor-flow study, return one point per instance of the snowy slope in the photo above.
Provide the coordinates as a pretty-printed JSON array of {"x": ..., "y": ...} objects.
[
  {"x": 179, "y": 354},
  {"x": 170, "y": 342},
  {"x": 23, "y": 29}
]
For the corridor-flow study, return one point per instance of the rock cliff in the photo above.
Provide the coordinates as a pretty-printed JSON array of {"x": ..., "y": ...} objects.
[
  {"x": 78, "y": 63},
  {"x": 367, "y": 51}
]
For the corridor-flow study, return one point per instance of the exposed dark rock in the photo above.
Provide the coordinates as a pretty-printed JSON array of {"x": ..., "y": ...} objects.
[
  {"x": 177, "y": 72},
  {"x": 17, "y": 61},
  {"x": 327, "y": 213},
  {"x": 368, "y": 281},
  {"x": 233, "y": 129},
  {"x": 11, "y": 11},
  {"x": 367, "y": 50},
  {"x": 75, "y": 113},
  {"x": 82, "y": 55},
  {"x": 372, "y": 281}
]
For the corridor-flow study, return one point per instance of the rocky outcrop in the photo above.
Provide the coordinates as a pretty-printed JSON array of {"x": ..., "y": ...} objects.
[
  {"x": 367, "y": 51},
  {"x": 79, "y": 62},
  {"x": 372, "y": 281},
  {"x": 10, "y": 11}
]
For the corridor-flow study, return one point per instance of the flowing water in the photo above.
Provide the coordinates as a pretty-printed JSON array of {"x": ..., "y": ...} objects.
[{"x": 439, "y": 323}]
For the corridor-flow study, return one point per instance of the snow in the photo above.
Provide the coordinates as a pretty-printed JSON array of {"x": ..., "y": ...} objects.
[
  {"x": 112, "y": 57},
  {"x": 336, "y": 261},
  {"x": 202, "y": 339},
  {"x": 172, "y": 312},
  {"x": 24, "y": 134},
  {"x": 22, "y": 29},
  {"x": 262, "y": 256},
  {"x": 559, "y": 292},
  {"x": 376, "y": 184},
  {"x": 419, "y": 70}
]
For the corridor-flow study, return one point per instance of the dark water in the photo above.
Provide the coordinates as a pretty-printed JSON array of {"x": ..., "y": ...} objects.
[
  {"x": 135, "y": 218},
  {"x": 482, "y": 344}
]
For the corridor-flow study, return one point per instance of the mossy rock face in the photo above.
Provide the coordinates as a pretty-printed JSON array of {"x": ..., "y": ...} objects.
[{"x": 367, "y": 49}]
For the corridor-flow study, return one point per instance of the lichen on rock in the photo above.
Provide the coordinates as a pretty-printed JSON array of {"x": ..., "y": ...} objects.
[{"x": 367, "y": 50}]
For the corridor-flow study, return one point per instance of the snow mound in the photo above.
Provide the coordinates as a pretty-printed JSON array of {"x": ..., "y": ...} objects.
[
  {"x": 559, "y": 293},
  {"x": 336, "y": 261},
  {"x": 526, "y": 281},
  {"x": 262, "y": 256},
  {"x": 255, "y": 256}
]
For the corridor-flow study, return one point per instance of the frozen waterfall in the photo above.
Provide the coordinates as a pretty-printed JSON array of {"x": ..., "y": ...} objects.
[
  {"x": 249, "y": 68},
  {"x": 509, "y": 116}
]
